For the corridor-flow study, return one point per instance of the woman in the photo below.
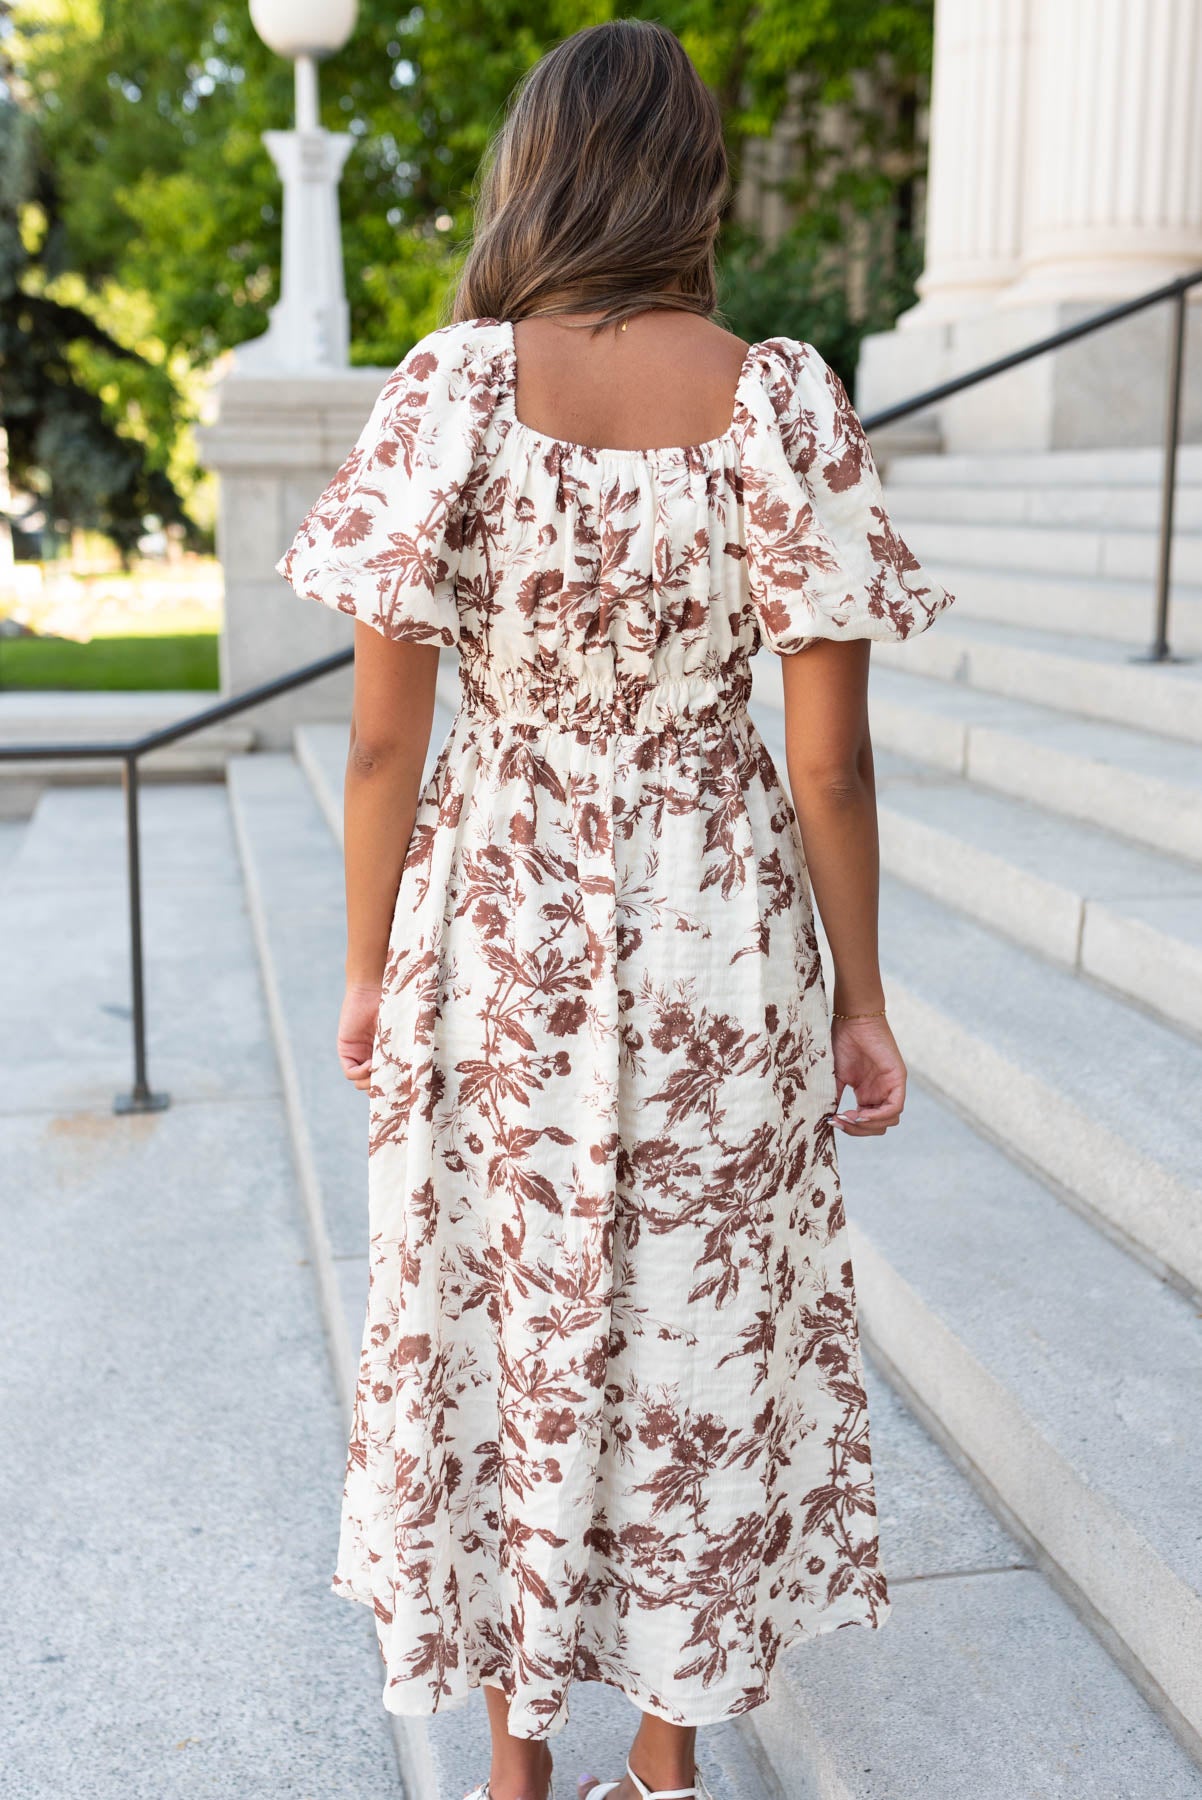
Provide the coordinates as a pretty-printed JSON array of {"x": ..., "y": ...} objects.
[{"x": 610, "y": 1423}]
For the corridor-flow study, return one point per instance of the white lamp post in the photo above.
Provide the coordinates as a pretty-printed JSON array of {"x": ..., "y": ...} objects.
[{"x": 309, "y": 329}]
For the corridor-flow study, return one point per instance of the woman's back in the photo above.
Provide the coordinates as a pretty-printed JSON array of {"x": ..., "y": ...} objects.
[
  {"x": 668, "y": 378},
  {"x": 610, "y": 1421}
]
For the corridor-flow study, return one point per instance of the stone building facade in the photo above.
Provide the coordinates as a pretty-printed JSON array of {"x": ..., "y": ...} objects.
[{"x": 1065, "y": 173}]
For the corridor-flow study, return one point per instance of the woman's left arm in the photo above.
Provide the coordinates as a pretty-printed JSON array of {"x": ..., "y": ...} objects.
[{"x": 391, "y": 720}]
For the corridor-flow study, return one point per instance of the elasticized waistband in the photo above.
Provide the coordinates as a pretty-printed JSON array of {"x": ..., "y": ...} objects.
[{"x": 599, "y": 699}]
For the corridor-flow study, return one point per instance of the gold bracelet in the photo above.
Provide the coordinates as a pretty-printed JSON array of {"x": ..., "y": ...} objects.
[{"x": 872, "y": 1015}]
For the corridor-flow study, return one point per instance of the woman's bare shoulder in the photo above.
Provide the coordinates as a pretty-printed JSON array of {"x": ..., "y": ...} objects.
[{"x": 700, "y": 341}]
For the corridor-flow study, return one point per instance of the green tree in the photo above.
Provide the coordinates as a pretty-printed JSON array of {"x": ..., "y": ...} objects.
[
  {"x": 148, "y": 129},
  {"x": 153, "y": 116},
  {"x": 72, "y": 393}
]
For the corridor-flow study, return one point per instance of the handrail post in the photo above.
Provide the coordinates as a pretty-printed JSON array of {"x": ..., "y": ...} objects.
[
  {"x": 1160, "y": 650},
  {"x": 140, "y": 1098}
]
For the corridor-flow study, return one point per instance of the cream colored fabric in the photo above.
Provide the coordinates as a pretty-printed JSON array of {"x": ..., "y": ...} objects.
[{"x": 610, "y": 1422}]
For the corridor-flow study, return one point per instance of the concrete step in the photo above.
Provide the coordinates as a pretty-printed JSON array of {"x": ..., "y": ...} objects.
[
  {"x": 1098, "y": 507},
  {"x": 293, "y": 878},
  {"x": 1120, "y": 470},
  {"x": 63, "y": 718},
  {"x": 1099, "y": 1098},
  {"x": 942, "y": 1547},
  {"x": 38, "y": 717},
  {"x": 12, "y": 834},
  {"x": 1141, "y": 786},
  {"x": 1084, "y": 552},
  {"x": 321, "y": 753},
  {"x": 1065, "y": 1375},
  {"x": 1084, "y": 675},
  {"x": 1094, "y": 607},
  {"x": 984, "y": 1685},
  {"x": 1081, "y": 896}
]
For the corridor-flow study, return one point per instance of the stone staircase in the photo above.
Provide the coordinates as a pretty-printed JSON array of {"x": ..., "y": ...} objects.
[
  {"x": 1028, "y": 1247},
  {"x": 1062, "y": 541},
  {"x": 1029, "y": 1252}
]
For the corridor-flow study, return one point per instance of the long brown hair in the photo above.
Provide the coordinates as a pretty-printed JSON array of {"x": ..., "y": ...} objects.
[{"x": 604, "y": 188}]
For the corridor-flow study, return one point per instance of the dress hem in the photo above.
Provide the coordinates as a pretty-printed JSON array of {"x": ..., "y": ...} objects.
[{"x": 693, "y": 1721}]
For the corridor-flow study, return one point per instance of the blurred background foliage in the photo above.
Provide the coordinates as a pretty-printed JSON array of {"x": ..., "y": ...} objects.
[{"x": 140, "y": 216}]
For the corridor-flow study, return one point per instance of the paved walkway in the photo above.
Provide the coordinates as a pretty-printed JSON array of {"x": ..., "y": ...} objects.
[{"x": 172, "y": 1442}]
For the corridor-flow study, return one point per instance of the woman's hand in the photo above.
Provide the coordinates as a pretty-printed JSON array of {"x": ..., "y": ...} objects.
[
  {"x": 357, "y": 1031},
  {"x": 867, "y": 1059}
]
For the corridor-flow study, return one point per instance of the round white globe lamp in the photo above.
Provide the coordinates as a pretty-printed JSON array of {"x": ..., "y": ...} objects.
[
  {"x": 304, "y": 31},
  {"x": 303, "y": 27}
]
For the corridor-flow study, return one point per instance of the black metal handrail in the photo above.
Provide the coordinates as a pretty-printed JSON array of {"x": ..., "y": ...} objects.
[{"x": 141, "y": 1097}]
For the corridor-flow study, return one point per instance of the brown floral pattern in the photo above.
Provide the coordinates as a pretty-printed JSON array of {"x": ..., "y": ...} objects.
[{"x": 610, "y": 1421}]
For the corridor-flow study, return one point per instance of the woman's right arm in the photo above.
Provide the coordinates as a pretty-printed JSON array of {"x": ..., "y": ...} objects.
[
  {"x": 390, "y": 735},
  {"x": 828, "y": 753}
]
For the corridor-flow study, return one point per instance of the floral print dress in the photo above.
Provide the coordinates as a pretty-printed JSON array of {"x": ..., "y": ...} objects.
[{"x": 610, "y": 1421}]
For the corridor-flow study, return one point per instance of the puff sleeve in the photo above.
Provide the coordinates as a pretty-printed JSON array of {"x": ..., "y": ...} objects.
[
  {"x": 380, "y": 542},
  {"x": 824, "y": 559}
]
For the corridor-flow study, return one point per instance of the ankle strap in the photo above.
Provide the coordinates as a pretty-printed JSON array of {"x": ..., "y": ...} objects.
[{"x": 645, "y": 1792}]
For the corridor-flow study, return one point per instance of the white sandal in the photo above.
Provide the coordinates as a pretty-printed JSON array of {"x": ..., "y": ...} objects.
[{"x": 698, "y": 1791}]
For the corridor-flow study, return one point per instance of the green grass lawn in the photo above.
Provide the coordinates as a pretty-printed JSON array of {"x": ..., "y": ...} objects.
[{"x": 120, "y": 664}]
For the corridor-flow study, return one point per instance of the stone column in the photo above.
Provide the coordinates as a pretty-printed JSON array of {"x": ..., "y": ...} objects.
[
  {"x": 1088, "y": 188},
  {"x": 975, "y": 180},
  {"x": 310, "y": 323},
  {"x": 1114, "y": 180},
  {"x": 288, "y": 406}
]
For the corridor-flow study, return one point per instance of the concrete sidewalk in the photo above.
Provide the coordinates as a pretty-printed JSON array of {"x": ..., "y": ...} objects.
[{"x": 172, "y": 1440}]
